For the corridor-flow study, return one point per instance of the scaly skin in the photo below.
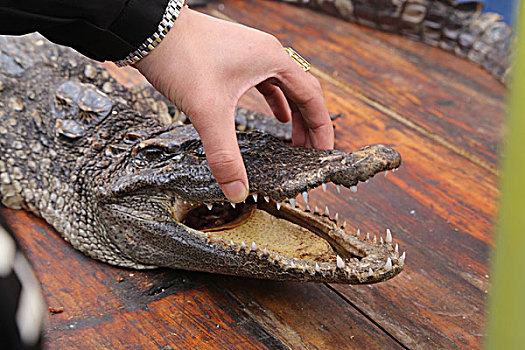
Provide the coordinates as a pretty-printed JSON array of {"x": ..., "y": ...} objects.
[{"x": 124, "y": 186}]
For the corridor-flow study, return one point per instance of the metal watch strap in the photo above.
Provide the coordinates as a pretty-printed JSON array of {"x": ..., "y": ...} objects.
[{"x": 168, "y": 19}]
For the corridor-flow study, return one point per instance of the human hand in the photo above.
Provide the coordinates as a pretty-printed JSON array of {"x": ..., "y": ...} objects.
[{"x": 204, "y": 65}]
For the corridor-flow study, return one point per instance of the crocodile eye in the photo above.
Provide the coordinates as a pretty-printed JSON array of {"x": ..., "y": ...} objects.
[{"x": 152, "y": 154}]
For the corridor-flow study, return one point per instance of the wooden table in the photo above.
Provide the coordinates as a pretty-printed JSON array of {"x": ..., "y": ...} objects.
[{"x": 445, "y": 117}]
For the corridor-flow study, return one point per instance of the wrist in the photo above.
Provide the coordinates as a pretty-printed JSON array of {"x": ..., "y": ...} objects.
[{"x": 169, "y": 17}]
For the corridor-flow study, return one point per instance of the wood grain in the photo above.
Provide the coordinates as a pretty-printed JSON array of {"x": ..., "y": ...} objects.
[{"x": 444, "y": 116}]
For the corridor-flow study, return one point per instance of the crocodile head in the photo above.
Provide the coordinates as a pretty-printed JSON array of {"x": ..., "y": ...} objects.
[{"x": 162, "y": 206}]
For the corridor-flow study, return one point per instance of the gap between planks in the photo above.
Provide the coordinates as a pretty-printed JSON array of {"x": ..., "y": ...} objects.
[
  {"x": 365, "y": 315},
  {"x": 388, "y": 112}
]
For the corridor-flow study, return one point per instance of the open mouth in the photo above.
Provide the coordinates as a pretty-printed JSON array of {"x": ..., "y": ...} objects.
[{"x": 315, "y": 242}]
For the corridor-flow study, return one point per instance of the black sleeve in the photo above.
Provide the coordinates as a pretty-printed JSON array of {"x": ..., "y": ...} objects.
[{"x": 100, "y": 29}]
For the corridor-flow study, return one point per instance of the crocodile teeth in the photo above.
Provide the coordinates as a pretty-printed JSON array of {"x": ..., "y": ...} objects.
[
  {"x": 375, "y": 239},
  {"x": 368, "y": 236},
  {"x": 206, "y": 234},
  {"x": 326, "y": 211},
  {"x": 254, "y": 197},
  {"x": 353, "y": 189},
  {"x": 340, "y": 262},
  {"x": 344, "y": 225},
  {"x": 396, "y": 249},
  {"x": 336, "y": 217},
  {"x": 388, "y": 265},
  {"x": 305, "y": 196},
  {"x": 324, "y": 187},
  {"x": 358, "y": 233},
  {"x": 243, "y": 245},
  {"x": 388, "y": 238},
  {"x": 308, "y": 209},
  {"x": 292, "y": 202},
  {"x": 338, "y": 188},
  {"x": 370, "y": 271},
  {"x": 266, "y": 199},
  {"x": 402, "y": 258},
  {"x": 386, "y": 173},
  {"x": 292, "y": 265},
  {"x": 381, "y": 240},
  {"x": 265, "y": 251},
  {"x": 278, "y": 205},
  {"x": 232, "y": 243},
  {"x": 316, "y": 210},
  {"x": 233, "y": 205},
  {"x": 317, "y": 268},
  {"x": 254, "y": 246},
  {"x": 210, "y": 206}
]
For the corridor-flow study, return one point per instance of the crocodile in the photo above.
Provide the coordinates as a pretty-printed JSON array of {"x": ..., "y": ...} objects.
[{"x": 129, "y": 187}]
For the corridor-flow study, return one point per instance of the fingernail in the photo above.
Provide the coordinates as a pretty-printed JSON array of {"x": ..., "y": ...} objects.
[{"x": 235, "y": 191}]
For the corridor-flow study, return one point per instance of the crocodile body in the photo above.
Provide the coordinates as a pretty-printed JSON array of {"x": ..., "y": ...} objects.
[{"x": 127, "y": 186}]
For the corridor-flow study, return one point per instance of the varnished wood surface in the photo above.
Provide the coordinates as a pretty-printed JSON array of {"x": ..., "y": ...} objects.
[{"x": 443, "y": 114}]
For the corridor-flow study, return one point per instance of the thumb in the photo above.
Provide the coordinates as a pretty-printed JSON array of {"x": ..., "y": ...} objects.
[{"x": 222, "y": 152}]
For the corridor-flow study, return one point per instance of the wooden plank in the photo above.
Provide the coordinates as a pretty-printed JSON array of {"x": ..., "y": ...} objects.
[
  {"x": 425, "y": 85},
  {"x": 305, "y": 316}
]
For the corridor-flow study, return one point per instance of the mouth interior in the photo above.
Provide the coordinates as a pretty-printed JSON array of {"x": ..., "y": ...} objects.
[{"x": 282, "y": 231}]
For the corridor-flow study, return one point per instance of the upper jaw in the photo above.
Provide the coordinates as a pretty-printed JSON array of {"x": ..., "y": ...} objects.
[{"x": 276, "y": 170}]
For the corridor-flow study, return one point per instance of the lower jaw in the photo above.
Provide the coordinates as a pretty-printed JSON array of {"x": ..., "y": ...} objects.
[{"x": 287, "y": 231}]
